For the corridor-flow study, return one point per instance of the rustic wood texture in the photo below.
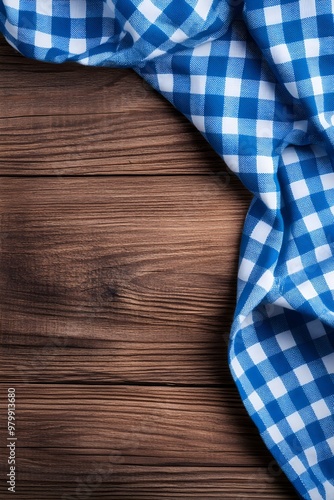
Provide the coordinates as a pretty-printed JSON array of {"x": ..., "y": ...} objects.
[
  {"x": 69, "y": 119},
  {"x": 119, "y": 236},
  {"x": 149, "y": 262}
]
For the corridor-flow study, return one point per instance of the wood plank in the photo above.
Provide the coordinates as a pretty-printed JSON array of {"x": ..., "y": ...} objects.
[
  {"x": 112, "y": 481},
  {"x": 142, "y": 435},
  {"x": 145, "y": 425},
  {"x": 71, "y": 119},
  {"x": 141, "y": 270}
]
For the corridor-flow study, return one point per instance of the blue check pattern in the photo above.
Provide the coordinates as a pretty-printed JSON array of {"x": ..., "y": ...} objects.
[{"x": 256, "y": 78}]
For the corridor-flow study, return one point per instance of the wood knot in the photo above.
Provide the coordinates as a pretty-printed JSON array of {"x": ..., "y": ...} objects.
[{"x": 109, "y": 292}]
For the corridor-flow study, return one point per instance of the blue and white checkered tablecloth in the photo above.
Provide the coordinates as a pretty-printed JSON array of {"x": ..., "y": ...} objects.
[{"x": 256, "y": 78}]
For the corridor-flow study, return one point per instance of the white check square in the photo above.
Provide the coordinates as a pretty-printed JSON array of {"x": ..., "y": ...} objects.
[
  {"x": 230, "y": 125},
  {"x": 321, "y": 409},
  {"x": 285, "y": 340},
  {"x": 299, "y": 189},
  {"x": 273, "y": 15},
  {"x": 277, "y": 387},
  {"x": 149, "y": 10},
  {"x": 43, "y": 40},
  {"x": 197, "y": 84},
  {"x": 303, "y": 374},
  {"x": 280, "y": 54},
  {"x": 312, "y": 222},
  {"x": 295, "y": 421},
  {"x": 256, "y": 401},
  {"x": 256, "y": 353},
  {"x": 232, "y": 87},
  {"x": 261, "y": 231},
  {"x": 165, "y": 82},
  {"x": 307, "y": 290},
  {"x": 312, "y": 47}
]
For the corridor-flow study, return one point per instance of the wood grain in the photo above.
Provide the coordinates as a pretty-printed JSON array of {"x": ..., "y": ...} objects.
[
  {"x": 101, "y": 263},
  {"x": 69, "y": 119},
  {"x": 126, "y": 482},
  {"x": 119, "y": 237},
  {"x": 188, "y": 426},
  {"x": 176, "y": 431}
]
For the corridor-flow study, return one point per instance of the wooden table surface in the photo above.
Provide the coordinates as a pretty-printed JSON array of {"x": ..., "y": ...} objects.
[{"x": 119, "y": 243}]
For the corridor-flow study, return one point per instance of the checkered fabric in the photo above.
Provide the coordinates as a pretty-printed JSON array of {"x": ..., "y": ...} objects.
[{"x": 256, "y": 78}]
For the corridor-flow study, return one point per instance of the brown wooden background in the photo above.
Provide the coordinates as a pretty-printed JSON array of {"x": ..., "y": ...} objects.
[{"x": 119, "y": 242}]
